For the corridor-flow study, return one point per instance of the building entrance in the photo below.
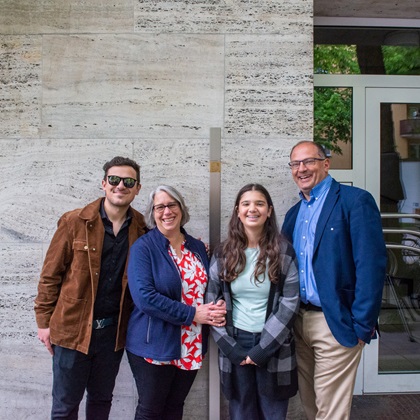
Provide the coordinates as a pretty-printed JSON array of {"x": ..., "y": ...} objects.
[{"x": 384, "y": 159}]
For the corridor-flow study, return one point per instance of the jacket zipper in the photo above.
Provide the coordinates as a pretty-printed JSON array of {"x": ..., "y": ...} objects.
[{"x": 149, "y": 327}]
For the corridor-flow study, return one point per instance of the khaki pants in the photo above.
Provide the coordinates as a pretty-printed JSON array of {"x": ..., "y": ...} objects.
[{"x": 326, "y": 369}]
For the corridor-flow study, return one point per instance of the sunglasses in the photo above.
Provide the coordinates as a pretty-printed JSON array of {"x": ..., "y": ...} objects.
[{"x": 115, "y": 180}]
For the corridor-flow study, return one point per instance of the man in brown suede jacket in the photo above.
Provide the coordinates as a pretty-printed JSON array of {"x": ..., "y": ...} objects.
[{"x": 83, "y": 303}]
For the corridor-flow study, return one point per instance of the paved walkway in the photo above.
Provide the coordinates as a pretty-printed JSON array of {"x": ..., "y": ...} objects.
[
  {"x": 373, "y": 407},
  {"x": 386, "y": 407}
]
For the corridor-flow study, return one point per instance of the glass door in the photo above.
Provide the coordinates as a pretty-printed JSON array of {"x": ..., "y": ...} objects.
[
  {"x": 392, "y": 363},
  {"x": 384, "y": 159}
]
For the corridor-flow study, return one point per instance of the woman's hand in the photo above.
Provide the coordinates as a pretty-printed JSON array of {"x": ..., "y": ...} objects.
[{"x": 211, "y": 314}]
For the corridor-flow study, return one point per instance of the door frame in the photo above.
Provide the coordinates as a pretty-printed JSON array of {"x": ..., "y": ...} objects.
[{"x": 368, "y": 93}]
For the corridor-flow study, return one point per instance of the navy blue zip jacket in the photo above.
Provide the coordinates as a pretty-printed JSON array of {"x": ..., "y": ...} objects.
[{"x": 154, "y": 329}]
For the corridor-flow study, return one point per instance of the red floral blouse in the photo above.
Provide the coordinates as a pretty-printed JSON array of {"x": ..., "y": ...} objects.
[{"x": 194, "y": 282}]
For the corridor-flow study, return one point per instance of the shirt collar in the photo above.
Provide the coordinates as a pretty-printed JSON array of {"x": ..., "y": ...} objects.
[
  {"x": 319, "y": 189},
  {"x": 104, "y": 216}
]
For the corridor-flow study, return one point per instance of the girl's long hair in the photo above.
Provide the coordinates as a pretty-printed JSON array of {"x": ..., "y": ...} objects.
[{"x": 233, "y": 248}]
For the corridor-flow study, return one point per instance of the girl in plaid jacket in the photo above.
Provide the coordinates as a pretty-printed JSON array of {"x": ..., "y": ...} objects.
[{"x": 254, "y": 271}]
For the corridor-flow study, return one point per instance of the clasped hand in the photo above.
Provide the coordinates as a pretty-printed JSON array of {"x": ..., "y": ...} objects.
[
  {"x": 247, "y": 361},
  {"x": 211, "y": 314}
]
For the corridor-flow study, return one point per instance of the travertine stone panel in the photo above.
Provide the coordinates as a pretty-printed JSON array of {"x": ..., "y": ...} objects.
[
  {"x": 144, "y": 79},
  {"x": 250, "y": 161},
  {"x": 183, "y": 164},
  {"x": 17, "y": 291},
  {"x": 26, "y": 379},
  {"x": 218, "y": 16},
  {"x": 25, "y": 383},
  {"x": 406, "y": 9},
  {"x": 269, "y": 85},
  {"x": 54, "y": 176},
  {"x": 131, "y": 85},
  {"x": 65, "y": 16},
  {"x": 20, "y": 86}
]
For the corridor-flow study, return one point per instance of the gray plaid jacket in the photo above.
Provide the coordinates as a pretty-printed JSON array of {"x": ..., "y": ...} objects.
[{"x": 275, "y": 353}]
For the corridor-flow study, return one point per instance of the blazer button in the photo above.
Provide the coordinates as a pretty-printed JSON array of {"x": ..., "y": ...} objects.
[{"x": 85, "y": 247}]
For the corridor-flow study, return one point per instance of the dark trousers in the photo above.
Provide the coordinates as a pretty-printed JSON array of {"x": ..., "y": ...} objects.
[
  {"x": 249, "y": 399},
  {"x": 162, "y": 389},
  {"x": 74, "y": 372}
]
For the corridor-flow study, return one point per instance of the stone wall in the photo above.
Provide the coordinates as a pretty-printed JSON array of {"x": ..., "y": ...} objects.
[{"x": 84, "y": 80}]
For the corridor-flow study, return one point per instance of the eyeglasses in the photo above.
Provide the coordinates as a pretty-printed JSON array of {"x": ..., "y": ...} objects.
[
  {"x": 160, "y": 208},
  {"x": 115, "y": 180},
  {"x": 294, "y": 164}
]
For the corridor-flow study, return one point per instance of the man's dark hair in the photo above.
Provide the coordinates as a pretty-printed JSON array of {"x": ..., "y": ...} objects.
[{"x": 122, "y": 161}]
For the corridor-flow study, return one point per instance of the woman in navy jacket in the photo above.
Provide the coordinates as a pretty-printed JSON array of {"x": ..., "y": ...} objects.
[{"x": 167, "y": 276}]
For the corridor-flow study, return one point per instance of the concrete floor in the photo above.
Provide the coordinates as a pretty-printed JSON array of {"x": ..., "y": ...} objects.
[
  {"x": 31, "y": 400},
  {"x": 25, "y": 384}
]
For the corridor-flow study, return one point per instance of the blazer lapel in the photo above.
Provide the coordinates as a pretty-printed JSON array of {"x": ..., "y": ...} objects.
[
  {"x": 327, "y": 208},
  {"x": 289, "y": 223}
]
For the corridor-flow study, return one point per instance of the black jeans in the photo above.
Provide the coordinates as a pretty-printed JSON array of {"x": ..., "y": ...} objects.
[
  {"x": 74, "y": 372},
  {"x": 162, "y": 389}
]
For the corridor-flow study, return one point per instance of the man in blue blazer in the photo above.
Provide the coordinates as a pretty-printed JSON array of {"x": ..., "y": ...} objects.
[{"x": 337, "y": 235}]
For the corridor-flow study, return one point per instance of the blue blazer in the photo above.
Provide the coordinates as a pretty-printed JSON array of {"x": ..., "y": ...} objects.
[
  {"x": 349, "y": 261},
  {"x": 154, "y": 328}
]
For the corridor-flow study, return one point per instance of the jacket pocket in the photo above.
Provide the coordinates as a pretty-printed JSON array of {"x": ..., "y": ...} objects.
[
  {"x": 347, "y": 297},
  {"x": 67, "y": 316},
  {"x": 80, "y": 256}
]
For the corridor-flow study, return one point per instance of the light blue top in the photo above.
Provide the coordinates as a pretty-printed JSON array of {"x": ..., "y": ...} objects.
[
  {"x": 249, "y": 299},
  {"x": 303, "y": 239}
]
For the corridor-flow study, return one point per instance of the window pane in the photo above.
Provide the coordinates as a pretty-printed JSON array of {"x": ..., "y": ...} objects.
[
  {"x": 333, "y": 124},
  {"x": 399, "y": 320}
]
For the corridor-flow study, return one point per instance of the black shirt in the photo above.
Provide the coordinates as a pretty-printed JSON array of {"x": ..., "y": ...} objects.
[{"x": 113, "y": 259}]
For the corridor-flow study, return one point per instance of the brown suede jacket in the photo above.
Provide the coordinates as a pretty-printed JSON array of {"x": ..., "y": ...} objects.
[{"x": 70, "y": 275}]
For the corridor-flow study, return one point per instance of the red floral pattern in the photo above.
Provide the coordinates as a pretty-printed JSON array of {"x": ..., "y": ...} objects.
[{"x": 194, "y": 282}]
